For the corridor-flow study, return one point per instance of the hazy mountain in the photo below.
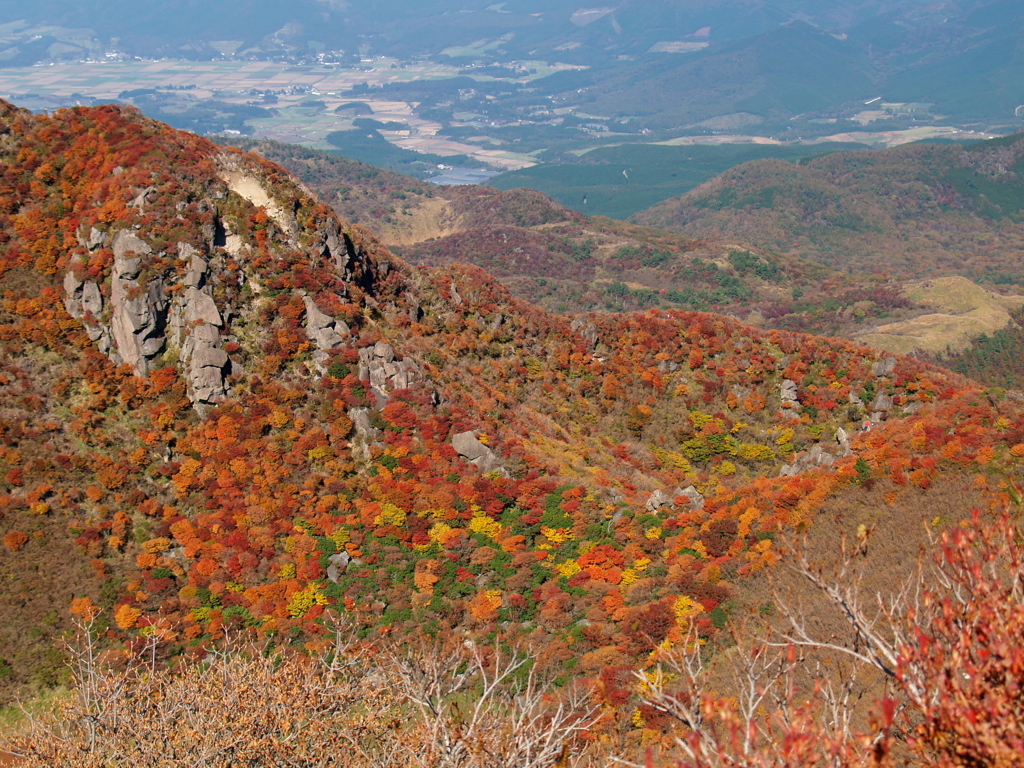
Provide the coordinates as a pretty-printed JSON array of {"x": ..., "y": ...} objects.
[{"x": 406, "y": 28}]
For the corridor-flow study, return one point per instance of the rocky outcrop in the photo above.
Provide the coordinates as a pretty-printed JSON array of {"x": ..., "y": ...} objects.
[
  {"x": 196, "y": 325},
  {"x": 660, "y": 499},
  {"x": 207, "y": 363},
  {"x": 880, "y": 406},
  {"x": 145, "y": 197},
  {"x": 331, "y": 243},
  {"x": 386, "y": 372},
  {"x": 843, "y": 442},
  {"x": 456, "y": 298},
  {"x": 84, "y": 301},
  {"x": 467, "y": 445},
  {"x": 695, "y": 497},
  {"x": 816, "y": 457},
  {"x": 159, "y": 302},
  {"x": 324, "y": 331},
  {"x": 96, "y": 239},
  {"x": 787, "y": 392},
  {"x": 586, "y": 331},
  {"x": 338, "y": 563},
  {"x": 884, "y": 367},
  {"x": 138, "y": 312},
  {"x": 367, "y": 435}
]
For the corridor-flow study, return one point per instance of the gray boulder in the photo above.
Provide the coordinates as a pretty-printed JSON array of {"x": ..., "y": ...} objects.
[
  {"x": 470, "y": 448},
  {"x": 882, "y": 402},
  {"x": 843, "y": 441},
  {"x": 386, "y": 372},
  {"x": 695, "y": 497},
  {"x": 586, "y": 331},
  {"x": 338, "y": 563},
  {"x": 324, "y": 331},
  {"x": 201, "y": 308},
  {"x": 884, "y": 367},
  {"x": 787, "y": 392},
  {"x": 658, "y": 500}
]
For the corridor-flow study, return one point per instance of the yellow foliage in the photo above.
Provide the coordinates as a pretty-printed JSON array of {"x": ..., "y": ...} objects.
[
  {"x": 652, "y": 533},
  {"x": 700, "y": 419},
  {"x": 440, "y": 532},
  {"x": 785, "y": 436},
  {"x": 390, "y": 514},
  {"x": 568, "y": 568},
  {"x": 305, "y": 599},
  {"x": 486, "y": 527},
  {"x": 672, "y": 458},
  {"x": 340, "y": 537},
  {"x": 557, "y": 535},
  {"x": 754, "y": 452},
  {"x": 319, "y": 453},
  {"x": 685, "y": 609},
  {"x": 287, "y": 571}
]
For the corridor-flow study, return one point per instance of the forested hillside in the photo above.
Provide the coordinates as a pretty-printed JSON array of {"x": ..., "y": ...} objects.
[
  {"x": 223, "y": 408},
  {"x": 912, "y": 211}
]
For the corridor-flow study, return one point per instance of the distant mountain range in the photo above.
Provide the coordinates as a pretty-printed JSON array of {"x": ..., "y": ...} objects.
[
  {"x": 662, "y": 63},
  {"x": 563, "y": 28}
]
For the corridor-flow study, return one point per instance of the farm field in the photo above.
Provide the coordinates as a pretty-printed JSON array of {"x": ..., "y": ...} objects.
[{"x": 304, "y": 114}]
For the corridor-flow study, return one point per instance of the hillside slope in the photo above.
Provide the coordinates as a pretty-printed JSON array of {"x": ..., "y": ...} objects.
[
  {"x": 223, "y": 407},
  {"x": 568, "y": 262},
  {"x": 915, "y": 211}
]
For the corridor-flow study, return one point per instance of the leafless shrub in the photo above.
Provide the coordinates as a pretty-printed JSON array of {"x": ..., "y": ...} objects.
[{"x": 246, "y": 706}]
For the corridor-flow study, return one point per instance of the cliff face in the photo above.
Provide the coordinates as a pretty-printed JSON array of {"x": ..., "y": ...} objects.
[{"x": 186, "y": 300}]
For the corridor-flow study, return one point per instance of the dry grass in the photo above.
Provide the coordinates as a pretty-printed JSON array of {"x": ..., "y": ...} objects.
[{"x": 967, "y": 311}]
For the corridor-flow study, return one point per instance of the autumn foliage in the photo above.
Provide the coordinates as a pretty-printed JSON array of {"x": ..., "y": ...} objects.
[{"x": 312, "y": 488}]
